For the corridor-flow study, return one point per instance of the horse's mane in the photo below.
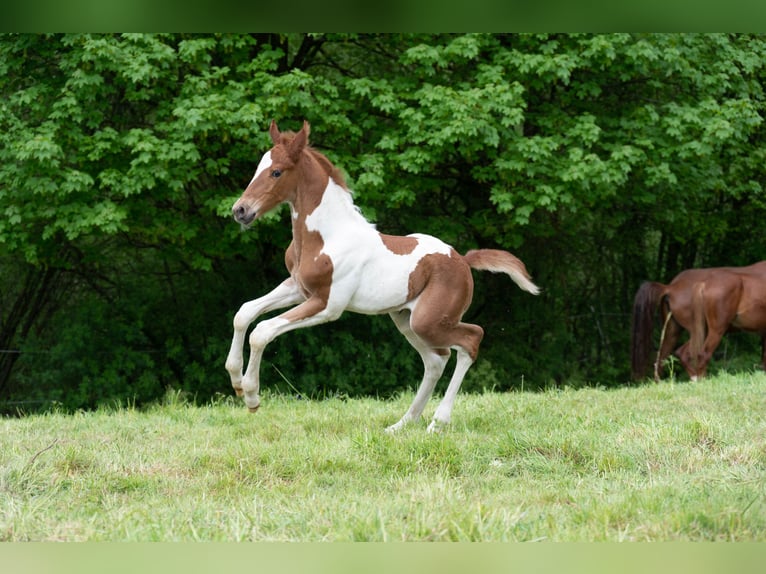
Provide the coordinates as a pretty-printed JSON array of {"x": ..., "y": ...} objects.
[
  {"x": 326, "y": 164},
  {"x": 328, "y": 167}
]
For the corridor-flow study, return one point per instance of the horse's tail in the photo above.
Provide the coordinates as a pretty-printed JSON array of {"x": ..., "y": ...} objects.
[
  {"x": 645, "y": 307},
  {"x": 698, "y": 331},
  {"x": 499, "y": 261}
]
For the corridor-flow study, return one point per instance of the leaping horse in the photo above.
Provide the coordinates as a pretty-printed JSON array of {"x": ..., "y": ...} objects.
[
  {"x": 705, "y": 302},
  {"x": 338, "y": 261}
]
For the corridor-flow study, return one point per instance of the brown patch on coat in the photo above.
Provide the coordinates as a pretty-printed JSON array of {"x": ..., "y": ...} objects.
[
  {"x": 312, "y": 272},
  {"x": 290, "y": 257},
  {"x": 310, "y": 268},
  {"x": 399, "y": 245},
  {"x": 444, "y": 287},
  {"x": 450, "y": 272}
]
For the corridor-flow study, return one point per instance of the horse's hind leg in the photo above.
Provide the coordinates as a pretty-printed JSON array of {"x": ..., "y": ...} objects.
[
  {"x": 434, "y": 361},
  {"x": 434, "y": 327},
  {"x": 696, "y": 363},
  {"x": 442, "y": 331},
  {"x": 444, "y": 410},
  {"x": 715, "y": 312},
  {"x": 718, "y": 318},
  {"x": 282, "y": 296}
]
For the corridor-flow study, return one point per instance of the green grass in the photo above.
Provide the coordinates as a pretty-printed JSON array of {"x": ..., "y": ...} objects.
[{"x": 672, "y": 461}]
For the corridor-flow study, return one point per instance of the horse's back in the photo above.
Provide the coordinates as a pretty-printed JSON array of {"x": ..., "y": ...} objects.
[
  {"x": 756, "y": 269},
  {"x": 392, "y": 271},
  {"x": 733, "y": 296}
]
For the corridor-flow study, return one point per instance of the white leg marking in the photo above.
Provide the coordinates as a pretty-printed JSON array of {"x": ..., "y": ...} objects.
[
  {"x": 433, "y": 365},
  {"x": 444, "y": 410},
  {"x": 284, "y": 295},
  {"x": 265, "y": 332}
]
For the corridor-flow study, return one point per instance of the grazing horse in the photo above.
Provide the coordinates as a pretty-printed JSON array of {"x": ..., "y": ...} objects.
[
  {"x": 338, "y": 261},
  {"x": 705, "y": 302}
]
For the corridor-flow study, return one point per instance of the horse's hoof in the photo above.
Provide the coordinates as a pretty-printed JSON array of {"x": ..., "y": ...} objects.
[
  {"x": 253, "y": 409},
  {"x": 436, "y": 427}
]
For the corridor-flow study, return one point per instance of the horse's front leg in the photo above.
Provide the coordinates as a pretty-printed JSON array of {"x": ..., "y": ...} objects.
[
  {"x": 284, "y": 295},
  {"x": 313, "y": 311}
]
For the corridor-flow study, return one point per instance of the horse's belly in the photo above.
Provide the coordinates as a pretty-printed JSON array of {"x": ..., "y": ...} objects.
[
  {"x": 751, "y": 320},
  {"x": 751, "y": 314},
  {"x": 376, "y": 295}
]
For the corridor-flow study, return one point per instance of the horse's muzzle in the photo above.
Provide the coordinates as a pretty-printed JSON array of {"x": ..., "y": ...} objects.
[{"x": 243, "y": 215}]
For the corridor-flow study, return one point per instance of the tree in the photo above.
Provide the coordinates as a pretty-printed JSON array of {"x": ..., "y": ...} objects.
[{"x": 600, "y": 159}]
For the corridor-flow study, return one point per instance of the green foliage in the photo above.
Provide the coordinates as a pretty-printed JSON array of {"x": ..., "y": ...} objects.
[{"x": 600, "y": 159}]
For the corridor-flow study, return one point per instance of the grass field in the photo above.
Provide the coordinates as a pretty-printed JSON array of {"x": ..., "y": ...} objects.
[{"x": 665, "y": 462}]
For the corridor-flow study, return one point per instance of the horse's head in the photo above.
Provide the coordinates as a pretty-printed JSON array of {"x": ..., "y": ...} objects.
[{"x": 276, "y": 179}]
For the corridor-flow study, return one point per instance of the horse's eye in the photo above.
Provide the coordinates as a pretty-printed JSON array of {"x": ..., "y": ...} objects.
[{"x": 276, "y": 173}]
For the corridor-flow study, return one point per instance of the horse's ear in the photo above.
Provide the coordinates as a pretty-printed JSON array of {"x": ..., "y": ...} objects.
[
  {"x": 274, "y": 132},
  {"x": 299, "y": 142}
]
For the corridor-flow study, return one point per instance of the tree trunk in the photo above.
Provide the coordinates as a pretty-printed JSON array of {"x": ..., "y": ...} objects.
[{"x": 36, "y": 293}]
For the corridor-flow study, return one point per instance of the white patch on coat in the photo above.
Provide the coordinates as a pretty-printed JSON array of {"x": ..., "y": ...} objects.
[{"x": 367, "y": 276}]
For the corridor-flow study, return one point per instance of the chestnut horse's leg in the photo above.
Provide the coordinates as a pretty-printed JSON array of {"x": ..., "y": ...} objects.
[
  {"x": 689, "y": 360},
  {"x": 720, "y": 311},
  {"x": 716, "y": 303},
  {"x": 696, "y": 363},
  {"x": 434, "y": 361},
  {"x": 313, "y": 311},
  {"x": 284, "y": 295}
]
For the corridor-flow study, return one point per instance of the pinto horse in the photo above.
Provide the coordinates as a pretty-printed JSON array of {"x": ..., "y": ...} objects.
[
  {"x": 705, "y": 302},
  {"x": 338, "y": 261}
]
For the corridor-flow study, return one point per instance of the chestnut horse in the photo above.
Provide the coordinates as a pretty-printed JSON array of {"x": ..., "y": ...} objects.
[
  {"x": 705, "y": 302},
  {"x": 338, "y": 261}
]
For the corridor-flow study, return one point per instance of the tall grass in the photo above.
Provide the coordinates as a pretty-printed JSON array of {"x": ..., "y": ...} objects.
[{"x": 672, "y": 461}]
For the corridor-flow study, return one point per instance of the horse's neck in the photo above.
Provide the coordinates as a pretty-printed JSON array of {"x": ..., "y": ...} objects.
[
  {"x": 336, "y": 211},
  {"x": 331, "y": 215}
]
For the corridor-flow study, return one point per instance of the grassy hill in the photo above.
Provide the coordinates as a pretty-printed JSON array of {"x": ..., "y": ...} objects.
[{"x": 655, "y": 462}]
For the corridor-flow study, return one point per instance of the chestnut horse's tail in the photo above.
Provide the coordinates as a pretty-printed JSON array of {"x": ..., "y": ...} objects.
[
  {"x": 502, "y": 262},
  {"x": 698, "y": 331},
  {"x": 645, "y": 307}
]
